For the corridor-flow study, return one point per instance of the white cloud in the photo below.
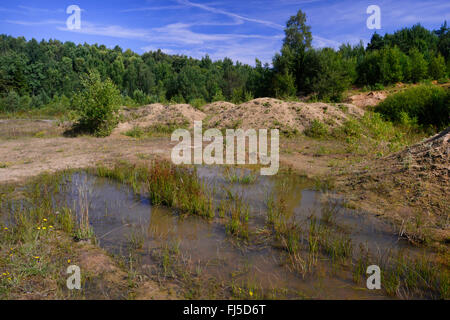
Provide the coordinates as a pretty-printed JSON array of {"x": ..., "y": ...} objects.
[
  {"x": 230, "y": 14},
  {"x": 36, "y": 23},
  {"x": 155, "y": 8}
]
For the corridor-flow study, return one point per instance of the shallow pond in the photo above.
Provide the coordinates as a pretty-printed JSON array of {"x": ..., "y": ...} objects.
[{"x": 120, "y": 217}]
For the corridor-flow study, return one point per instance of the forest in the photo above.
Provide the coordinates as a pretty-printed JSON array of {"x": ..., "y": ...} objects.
[{"x": 49, "y": 73}]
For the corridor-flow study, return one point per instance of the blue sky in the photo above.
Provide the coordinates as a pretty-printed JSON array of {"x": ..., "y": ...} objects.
[{"x": 241, "y": 30}]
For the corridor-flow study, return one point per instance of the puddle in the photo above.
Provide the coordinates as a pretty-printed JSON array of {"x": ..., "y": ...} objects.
[{"x": 120, "y": 217}]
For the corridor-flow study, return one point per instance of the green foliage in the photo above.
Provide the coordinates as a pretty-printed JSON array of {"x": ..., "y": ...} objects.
[
  {"x": 135, "y": 132},
  {"x": 430, "y": 105},
  {"x": 197, "y": 103},
  {"x": 419, "y": 66},
  {"x": 297, "y": 34},
  {"x": 317, "y": 129},
  {"x": 218, "y": 96},
  {"x": 33, "y": 73},
  {"x": 97, "y": 105},
  {"x": 10, "y": 103},
  {"x": 437, "y": 68},
  {"x": 284, "y": 85},
  {"x": 327, "y": 75}
]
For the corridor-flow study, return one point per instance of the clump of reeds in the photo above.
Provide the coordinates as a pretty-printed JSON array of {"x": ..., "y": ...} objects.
[
  {"x": 166, "y": 184},
  {"x": 239, "y": 213}
]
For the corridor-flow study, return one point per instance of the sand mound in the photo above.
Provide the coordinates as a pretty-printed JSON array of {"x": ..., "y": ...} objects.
[
  {"x": 273, "y": 113},
  {"x": 429, "y": 158},
  {"x": 367, "y": 99},
  {"x": 258, "y": 113},
  {"x": 147, "y": 116}
]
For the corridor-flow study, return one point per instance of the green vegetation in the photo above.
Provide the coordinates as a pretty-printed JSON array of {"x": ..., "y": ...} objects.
[
  {"x": 425, "y": 104},
  {"x": 317, "y": 129},
  {"x": 35, "y": 241},
  {"x": 97, "y": 105},
  {"x": 158, "y": 129},
  {"x": 166, "y": 184}
]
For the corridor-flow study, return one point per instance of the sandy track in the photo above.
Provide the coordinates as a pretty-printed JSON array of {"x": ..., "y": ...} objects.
[{"x": 23, "y": 158}]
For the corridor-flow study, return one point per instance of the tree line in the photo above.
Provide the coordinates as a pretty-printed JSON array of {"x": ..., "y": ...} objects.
[{"x": 35, "y": 74}]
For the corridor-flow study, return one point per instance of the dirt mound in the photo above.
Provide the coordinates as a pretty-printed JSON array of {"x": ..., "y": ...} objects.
[
  {"x": 410, "y": 186},
  {"x": 273, "y": 113},
  {"x": 218, "y": 107},
  {"x": 258, "y": 113},
  {"x": 428, "y": 159},
  {"x": 182, "y": 115},
  {"x": 372, "y": 98}
]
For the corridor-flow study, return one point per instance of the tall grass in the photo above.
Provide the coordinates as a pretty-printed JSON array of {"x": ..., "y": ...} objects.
[{"x": 176, "y": 187}]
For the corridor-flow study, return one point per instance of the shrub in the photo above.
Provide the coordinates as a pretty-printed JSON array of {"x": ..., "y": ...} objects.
[
  {"x": 437, "y": 68},
  {"x": 419, "y": 67},
  {"x": 317, "y": 129},
  {"x": 197, "y": 103},
  {"x": 97, "y": 105},
  {"x": 10, "y": 103},
  {"x": 135, "y": 132},
  {"x": 218, "y": 96},
  {"x": 429, "y": 105}
]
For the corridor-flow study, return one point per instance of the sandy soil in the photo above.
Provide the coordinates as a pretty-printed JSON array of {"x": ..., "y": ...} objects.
[
  {"x": 413, "y": 184},
  {"x": 258, "y": 113}
]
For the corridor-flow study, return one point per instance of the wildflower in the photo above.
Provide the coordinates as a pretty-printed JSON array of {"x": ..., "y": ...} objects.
[
  {"x": 9, "y": 279},
  {"x": 45, "y": 220},
  {"x": 3, "y": 274},
  {"x": 51, "y": 227},
  {"x": 68, "y": 261},
  {"x": 39, "y": 228},
  {"x": 6, "y": 228},
  {"x": 43, "y": 228},
  {"x": 251, "y": 293},
  {"x": 36, "y": 257}
]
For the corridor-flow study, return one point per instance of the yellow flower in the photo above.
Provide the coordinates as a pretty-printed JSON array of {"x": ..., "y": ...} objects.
[
  {"x": 51, "y": 227},
  {"x": 251, "y": 293},
  {"x": 45, "y": 220},
  {"x": 43, "y": 228},
  {"x": 36, "y": 257},
  {"x": 39, "y": 228},
  {"x": 9, "y": 279},
  {"x": 3, "y": 274},
  {"x": 68, "y": 261},
  {"x": 6, "y": 228}
]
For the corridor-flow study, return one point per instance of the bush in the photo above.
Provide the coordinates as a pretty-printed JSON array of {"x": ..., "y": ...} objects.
[
  {"x": 218, "y": 96},
  {"x": 197, "y": 103},
  {"x": 135, "y": 132},
  {"x": 429, "y": 105},
  {"x": 327, "y": 74},
  {"x": 317, "y": 129},
  {"x": 419, "y": 66},
  {"x": 10, "y": 103},
  {"x": 97, "y": 105},
  {"x": 437, "y": 68}
]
